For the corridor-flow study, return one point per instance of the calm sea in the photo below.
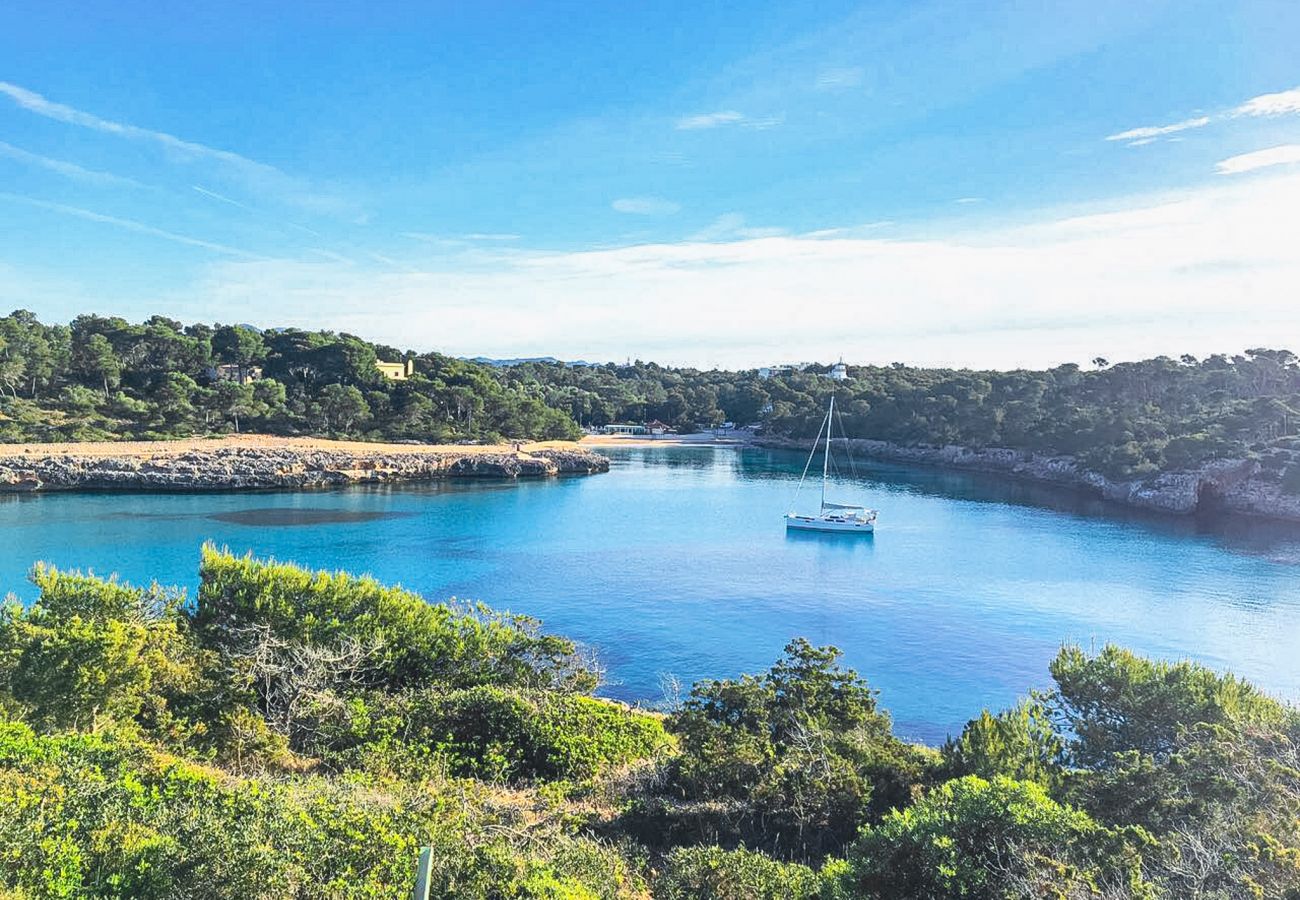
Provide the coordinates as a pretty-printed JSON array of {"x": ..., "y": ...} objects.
[{"x": 676, "y": 564}]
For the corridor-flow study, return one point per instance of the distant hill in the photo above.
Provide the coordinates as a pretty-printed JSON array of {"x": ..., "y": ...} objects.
[{"x": 520, "y": 360}]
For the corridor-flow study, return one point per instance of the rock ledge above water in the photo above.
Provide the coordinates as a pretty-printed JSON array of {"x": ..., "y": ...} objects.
[
  {"x": 255, "y": 468},
  {"x": 1231, "y": 485}
]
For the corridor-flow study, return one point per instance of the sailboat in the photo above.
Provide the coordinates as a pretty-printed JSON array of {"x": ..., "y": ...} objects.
[{"x": 839, "y": 517}]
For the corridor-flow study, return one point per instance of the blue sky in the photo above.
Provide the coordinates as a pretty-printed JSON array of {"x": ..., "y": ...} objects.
[{"x": 1018, "y": 183}]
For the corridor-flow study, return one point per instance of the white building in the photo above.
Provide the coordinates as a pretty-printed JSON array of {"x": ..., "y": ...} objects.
[{"x": 839, "y": 371}]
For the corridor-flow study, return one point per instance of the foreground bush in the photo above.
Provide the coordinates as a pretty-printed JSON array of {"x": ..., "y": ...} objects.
[
  {"x": 106, "y": 817},
  {"x": 399, "y": 639},
  {"x": 741, "y": 874},
  {"x": 792, "y": 761},
  {"x": 980, "y": 839},
  {"x": 298, "y": 734}
]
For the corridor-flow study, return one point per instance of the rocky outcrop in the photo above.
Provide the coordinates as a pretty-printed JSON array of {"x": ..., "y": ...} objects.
[
  {"x": 245, "y": 468},
  {"x": 1237, "y": 486}
]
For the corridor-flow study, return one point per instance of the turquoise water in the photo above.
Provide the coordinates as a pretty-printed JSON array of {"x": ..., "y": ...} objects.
[{"x": 676, "y": 563}]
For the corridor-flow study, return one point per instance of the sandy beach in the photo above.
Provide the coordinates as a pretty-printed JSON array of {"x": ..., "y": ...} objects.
[
  {"x": 156, "y": 449},
  {"x": 253, "y": 462},
  {"x": 703, "y": 439}
]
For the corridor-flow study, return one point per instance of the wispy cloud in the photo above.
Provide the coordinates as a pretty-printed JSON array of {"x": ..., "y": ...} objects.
[
  {"x": 470, "y": 237},
  {"x": 645, "y": 206},
  {"x": 1265, "y": 105},
  {"x": 256, "y": 174},
  {"x": 1278, "y": 104},
  {"x": 129, "y": 225},
  {"x": 839, "y": 78},
  {"x": 969, "y": 200},
  {"x": 67, "y": 169},
  {"x": 709, "y": 120},
  {"x": 1286, "y": 154},
  {"x": 34, "y": 102},
  {"x": 1145, "y": 134},
  {"x": 221, "y": 198},
  {"x": 971, "y": 297},
  {"x": 732, "y": 226},
  {"x": 332, "y": 256}
]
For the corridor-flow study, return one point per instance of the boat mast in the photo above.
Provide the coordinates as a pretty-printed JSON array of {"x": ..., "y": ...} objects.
[{"x": 826, "y": 460}]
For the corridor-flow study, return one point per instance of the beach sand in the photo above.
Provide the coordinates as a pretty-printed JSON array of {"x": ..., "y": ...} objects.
[{"x": 154, "y": 449}]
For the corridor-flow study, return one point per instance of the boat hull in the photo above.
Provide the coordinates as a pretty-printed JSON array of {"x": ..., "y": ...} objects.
[{"x": 841, "y": 526}]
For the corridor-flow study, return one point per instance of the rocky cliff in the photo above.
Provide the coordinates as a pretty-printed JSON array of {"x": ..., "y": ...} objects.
[
  {"x": 1237, "y": 486},
  {"x": 246, "y": 468}
]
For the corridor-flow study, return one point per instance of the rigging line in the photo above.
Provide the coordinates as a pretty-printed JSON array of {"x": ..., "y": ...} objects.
[
  {"x": 848, "y": 450},
  {"x": 824, "y": 424}
]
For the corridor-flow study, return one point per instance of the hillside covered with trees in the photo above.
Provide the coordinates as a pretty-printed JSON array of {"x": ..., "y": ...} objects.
[
  {"x": 1124, "y": 420},
  {"x": 289, "y": 734},
  {"x": 107, "y": 379}
]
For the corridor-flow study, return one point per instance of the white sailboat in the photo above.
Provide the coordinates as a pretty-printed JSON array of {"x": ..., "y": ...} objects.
[{"x": 839, "y": 517}]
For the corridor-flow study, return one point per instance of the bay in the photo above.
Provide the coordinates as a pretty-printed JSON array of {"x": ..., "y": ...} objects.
[{"x": 675, "y": 565}]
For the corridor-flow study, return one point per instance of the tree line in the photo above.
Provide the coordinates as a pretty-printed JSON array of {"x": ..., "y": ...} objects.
[
  {"x": 1124, "y": 420},
  {"x": 296, "y": 734},
  {"x": 103, "y": 378}
]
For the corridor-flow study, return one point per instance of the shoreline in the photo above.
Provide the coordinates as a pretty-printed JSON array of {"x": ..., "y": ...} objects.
[
  {"x": 635, "y": 441},
  {"x": 1219, "y": 487},
  {"x": 261, "y": 462}
]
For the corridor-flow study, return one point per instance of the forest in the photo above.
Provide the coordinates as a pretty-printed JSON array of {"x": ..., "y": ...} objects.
[
  {"x": 294, "y": 734},
  {"x": 1124, "y": 420},
  {"x": 106, "y": 379}
]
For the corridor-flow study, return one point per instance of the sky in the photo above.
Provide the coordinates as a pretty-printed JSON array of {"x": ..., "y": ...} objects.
[{"x": 725, "y": 184}]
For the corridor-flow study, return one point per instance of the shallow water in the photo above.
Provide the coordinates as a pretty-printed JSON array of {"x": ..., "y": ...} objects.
[{"x": 676, "y": 563}]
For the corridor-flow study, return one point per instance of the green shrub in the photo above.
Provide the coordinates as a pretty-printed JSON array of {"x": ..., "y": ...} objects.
[
  {"x": 91, "y": 652},
  {"x": 103, "y": 816},
  {"x": 506, "y": 735},
  {"x": 978, "y": 839},
  {"x": 415, "y": 643},
  {"x": 1019, "y": 743},
  {"x": 692, "y": 872},
  {"x": 799, "y": 756},
  {"x": 1117, "y": 702}
]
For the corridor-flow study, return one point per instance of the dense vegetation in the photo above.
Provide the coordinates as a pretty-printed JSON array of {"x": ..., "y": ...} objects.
[
  {"x": 294, "y": 734},
  {"x": 1129, "y": 419},
  {"x": 107, "y": 379},
  {"x": 104, "y": 378}
]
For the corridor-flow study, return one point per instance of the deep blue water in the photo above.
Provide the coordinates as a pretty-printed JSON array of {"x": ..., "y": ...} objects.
[{"x": 676, "y": 562}]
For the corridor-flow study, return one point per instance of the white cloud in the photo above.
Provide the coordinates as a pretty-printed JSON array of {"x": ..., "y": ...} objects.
[
  {"x": 732, "y": 226},
  {"x": 129, "y": 225},
  {"x": 839, "y": 78},
  {"x": 1203, "y": 271},
  {"x": 1277, "y": 104},
  {"x": 220, "y": 198},
  {"x": 709, "y": 120},
  {"x": 463, "y": 242},
  {"x": 1260, "y": 159},
  {"x": 1265, "y": 105},
  {"x": 645, "y": 206},
  {"x": 968, "y": 200},
  {"x": 1147, "y": 132},
  {"x": 67, "y": 169},
  {"x": 332, "y": 256},
  {"x": 34, "y": 102},
  {"x": 256, "y": 175}
]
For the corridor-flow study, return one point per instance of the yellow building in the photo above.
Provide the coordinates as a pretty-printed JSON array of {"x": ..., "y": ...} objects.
[{"x": 398, "y": 371}]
